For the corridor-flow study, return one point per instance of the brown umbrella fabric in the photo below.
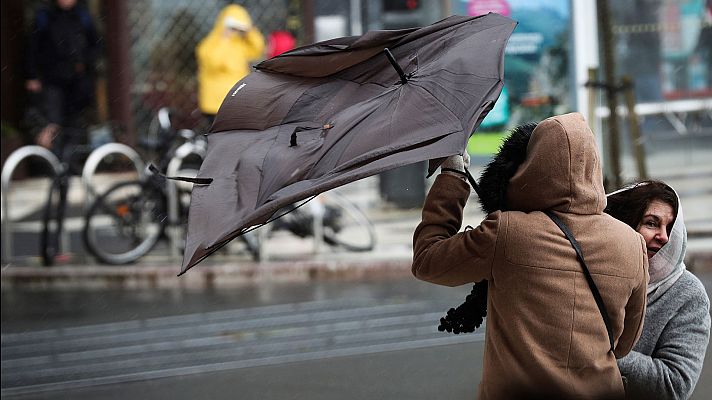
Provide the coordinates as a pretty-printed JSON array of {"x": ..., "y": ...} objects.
[{"x": 327, "y": 114}]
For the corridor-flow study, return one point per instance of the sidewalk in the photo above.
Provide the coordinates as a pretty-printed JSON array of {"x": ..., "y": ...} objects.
[{"x": 291, "y": 258}]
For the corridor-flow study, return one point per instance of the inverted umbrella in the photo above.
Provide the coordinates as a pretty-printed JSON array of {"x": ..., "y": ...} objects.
[{"x": 327, "y": 114}]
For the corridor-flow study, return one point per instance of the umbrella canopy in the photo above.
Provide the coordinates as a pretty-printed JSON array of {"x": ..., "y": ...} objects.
[{"x": 327, "y": 114}]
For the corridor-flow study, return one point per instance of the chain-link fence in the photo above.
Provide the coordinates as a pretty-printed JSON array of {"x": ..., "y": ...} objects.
[{"x": 164, "y": 34}]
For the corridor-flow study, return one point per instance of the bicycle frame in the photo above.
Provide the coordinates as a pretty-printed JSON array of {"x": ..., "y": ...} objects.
[
  {"x": 313, "y": 219},
  {"x": 170, "y": 161}
]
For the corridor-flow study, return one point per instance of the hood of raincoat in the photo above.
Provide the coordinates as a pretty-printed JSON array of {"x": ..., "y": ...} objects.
[
  {"x": 667, "y": 265},
  {"x": 231, "y": 16},
  {"x": 561, "y": 171}
]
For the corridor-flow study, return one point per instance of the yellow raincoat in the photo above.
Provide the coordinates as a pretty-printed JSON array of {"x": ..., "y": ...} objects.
[{"x": 224, "y": 59}]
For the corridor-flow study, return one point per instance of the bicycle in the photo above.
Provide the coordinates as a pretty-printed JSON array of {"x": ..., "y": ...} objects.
[
  {"x": 130, "y": 218},
  {"x": 53, "y": 215},
  {"x": 341, "y": 222},
  {"x": 72, "y": 159}
]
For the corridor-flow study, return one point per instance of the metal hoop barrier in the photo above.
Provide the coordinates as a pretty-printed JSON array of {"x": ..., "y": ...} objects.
[
  {"x": 173, "y": 168},
  {"x": 95, "y": 159},
  {"x": 10, "y": 165}
]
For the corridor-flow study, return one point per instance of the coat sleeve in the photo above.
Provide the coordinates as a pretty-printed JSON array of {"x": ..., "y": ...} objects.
[
  {"x": 93, "y": 41},
  {"x": 634, "y": 309},
  {"x": 674, "y": 367},
  {"x": 34, "y": 45},
  {"x": 217, "y": 54},
  {"x": 254, "y": 44},
  {"x": 440, "y": 254},
  {"x": 212, "y": 55}
]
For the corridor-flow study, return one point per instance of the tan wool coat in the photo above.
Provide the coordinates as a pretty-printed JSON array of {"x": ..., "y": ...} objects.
[{"x": 544, "y": 333}]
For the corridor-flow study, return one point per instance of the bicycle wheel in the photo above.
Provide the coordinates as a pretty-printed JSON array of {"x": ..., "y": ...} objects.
[
  {"x": 125, "y": 223},
  {"x": 345, "y": 224},
  {"x": 53, "y": 220}
]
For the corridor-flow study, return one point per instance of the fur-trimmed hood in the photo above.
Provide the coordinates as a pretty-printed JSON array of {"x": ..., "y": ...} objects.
[
  {"x": 567, "y": 181},
  {"x": 496, "y": 175},
  {"x": 556, "y": 167}
]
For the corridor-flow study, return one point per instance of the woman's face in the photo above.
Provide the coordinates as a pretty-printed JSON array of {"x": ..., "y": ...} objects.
[{"x": 656, "y": 225}]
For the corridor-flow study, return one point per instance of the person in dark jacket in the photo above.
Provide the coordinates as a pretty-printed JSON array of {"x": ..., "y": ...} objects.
[
  {"x": 666, "y": 363},
  {"x": 62, "y": 50},
  {"x": 545, "y": 337}
]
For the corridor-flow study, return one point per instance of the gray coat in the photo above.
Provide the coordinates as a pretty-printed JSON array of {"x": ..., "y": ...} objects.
[{"x": 667, "y": 360}]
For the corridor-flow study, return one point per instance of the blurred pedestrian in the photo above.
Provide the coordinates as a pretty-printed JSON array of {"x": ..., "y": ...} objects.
[
  {"x": 62, "y": 49},
  {"x": 667, "y": 360},
  {"x": 545, "y": 335},
  {"x": 280, "y": 42},
  {"x": 224, "y": 56}
]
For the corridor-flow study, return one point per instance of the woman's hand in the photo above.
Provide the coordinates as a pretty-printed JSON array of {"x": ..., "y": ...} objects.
[
  {"x": 47, "y": 135},
  {"x": 455, "y": 165}
]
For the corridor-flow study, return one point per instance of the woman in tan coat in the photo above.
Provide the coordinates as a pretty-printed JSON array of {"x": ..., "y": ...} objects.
[{"x": 545, "y": 335}]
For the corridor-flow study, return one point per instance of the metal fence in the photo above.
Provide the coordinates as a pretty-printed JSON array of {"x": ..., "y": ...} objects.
[{"x": 164, "y": 34}]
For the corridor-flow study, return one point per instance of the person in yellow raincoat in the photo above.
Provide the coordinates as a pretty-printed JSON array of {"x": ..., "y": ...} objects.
[{"x": 224, "y": 56}]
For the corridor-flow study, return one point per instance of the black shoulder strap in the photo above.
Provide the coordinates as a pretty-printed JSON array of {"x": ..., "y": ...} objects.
[{"x": 589, "y": 278}]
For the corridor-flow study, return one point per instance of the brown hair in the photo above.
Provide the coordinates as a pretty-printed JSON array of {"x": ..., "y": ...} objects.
[{"x": 629, "y": 205}]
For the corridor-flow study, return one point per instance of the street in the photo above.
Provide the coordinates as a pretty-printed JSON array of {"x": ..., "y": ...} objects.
[{"x": 310, "y": 340}]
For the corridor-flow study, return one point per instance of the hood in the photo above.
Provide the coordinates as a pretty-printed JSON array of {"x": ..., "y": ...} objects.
[
  {"x": 497, "y": 173},
  {"x": 561, "y": 171},
  {"x": 671, "y": 256},
  {"x": 232, "y": 15}
]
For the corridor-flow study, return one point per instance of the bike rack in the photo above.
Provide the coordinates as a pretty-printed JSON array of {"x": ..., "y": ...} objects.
[
  {"x": 317, "y": 212},
  {"x": 10, "y": 165},
  {"x": 173, "y": 168},
  {"x": 95, "y": 159}
]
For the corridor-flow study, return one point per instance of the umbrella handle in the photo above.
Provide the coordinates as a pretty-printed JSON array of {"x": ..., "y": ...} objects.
[
  {"x": 473, "y": 183},
  {"x": 394, "y": 63}
]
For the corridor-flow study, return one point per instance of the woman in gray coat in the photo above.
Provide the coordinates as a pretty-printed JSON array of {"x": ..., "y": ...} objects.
[{"x": 667, "y": 360}]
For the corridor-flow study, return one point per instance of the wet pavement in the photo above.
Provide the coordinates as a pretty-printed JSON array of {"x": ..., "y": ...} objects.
[
  {"x": 281, "y": 340},
  {"x": 354, "y": 339}
]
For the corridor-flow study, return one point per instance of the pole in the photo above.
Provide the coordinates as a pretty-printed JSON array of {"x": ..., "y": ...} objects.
[
  {"x": 585, "y": 38},
  {"x": 636, "y": 139},
  {"x": 308, "y": 21},
  {"x": 604, "y": 26},
  {"x": 591, "y": 109},
  {"x": 119, "y": 68}
]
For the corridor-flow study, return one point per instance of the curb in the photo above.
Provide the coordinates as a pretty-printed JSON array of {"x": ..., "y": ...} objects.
[
  {"x": 228, "y": 274},
  {"x": 200, "y": 277}
]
